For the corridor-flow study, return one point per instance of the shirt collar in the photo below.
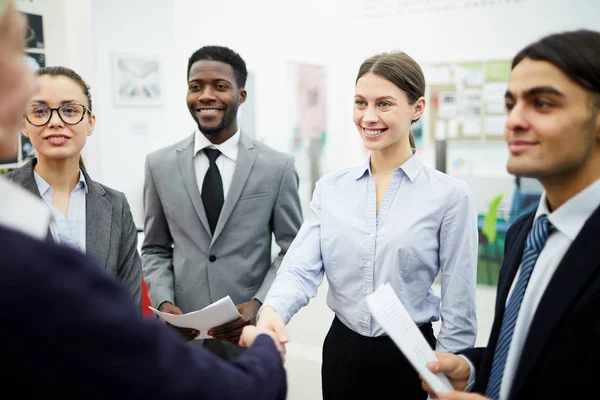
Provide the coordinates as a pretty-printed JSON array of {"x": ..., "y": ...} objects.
[
  {"x": 44, "y": 187},
  {"x": 571, "y": 216},
  {"x": 228, "y": 148},
  {"x": 411, "y": 168}
]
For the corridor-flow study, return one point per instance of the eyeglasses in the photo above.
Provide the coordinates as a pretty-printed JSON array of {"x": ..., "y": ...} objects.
[{"x": 70, "y": 113}]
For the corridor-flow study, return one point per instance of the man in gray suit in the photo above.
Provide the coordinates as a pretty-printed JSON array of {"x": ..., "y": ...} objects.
[{"x": 212, "y": 203}]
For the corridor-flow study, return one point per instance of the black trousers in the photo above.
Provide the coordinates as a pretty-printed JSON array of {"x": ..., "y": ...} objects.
[{"x": 369, "y": 368}]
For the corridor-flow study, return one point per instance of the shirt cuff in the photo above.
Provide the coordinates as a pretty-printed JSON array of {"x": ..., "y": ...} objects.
[{"x": 471, "y": 380}]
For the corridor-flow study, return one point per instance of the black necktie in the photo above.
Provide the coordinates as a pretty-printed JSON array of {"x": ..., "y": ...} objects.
[{"x": 212, "y": 190}]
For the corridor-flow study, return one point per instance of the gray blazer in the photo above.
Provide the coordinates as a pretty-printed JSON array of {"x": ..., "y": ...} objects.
[
  {"x": 110, "y": 233},
  {"x": 187, "y": 266}
]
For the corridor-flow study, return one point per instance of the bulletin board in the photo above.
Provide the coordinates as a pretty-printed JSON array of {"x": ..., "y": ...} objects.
[{"x": 466, "y": 100}]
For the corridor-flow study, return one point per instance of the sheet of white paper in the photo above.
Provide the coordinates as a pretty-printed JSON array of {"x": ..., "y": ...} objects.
[
  {"x": 494, "y": 92},
  {"x": 218, "y": 313},
  {"x": 393, "y": 317}
]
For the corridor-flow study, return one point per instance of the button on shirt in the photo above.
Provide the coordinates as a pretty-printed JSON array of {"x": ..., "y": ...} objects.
[
  {"x": 225, "y": 162},
  {"x": 427, "y": 224},
  {"x": 68, "y": 230}
]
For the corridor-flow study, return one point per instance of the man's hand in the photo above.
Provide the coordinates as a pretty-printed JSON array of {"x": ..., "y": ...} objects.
[
  {"x": 455, "y": 367},
  {"x": 271, "y": 321},
  {"x": 231, "y": 331},
  {"x": 186, "y": 333},
  {"x": 250, "y": 333}
]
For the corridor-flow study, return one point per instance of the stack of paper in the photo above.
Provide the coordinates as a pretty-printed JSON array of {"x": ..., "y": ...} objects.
[{"x": 218, "y": 313}]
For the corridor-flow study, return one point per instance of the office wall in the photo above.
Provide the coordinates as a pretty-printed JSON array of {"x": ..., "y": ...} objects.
[{"x": 127, "y": 134}]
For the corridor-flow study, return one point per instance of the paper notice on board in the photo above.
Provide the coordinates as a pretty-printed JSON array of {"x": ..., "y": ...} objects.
[
  {"x": 494, "y": 125},
  {"x": 452, "y": 129},
  {"x": 389, "y": 312},
  {"x": 494, "y": 92},
  {"x": 447, "y": 105},
  {"x": 440, "y": 130},
  {"x": 471, "y": 127}
]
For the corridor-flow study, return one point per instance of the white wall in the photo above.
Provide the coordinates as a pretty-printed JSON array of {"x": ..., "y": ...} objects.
[
  {"x": 267, "y": 34},
  {"x": 127, "y": 134}
]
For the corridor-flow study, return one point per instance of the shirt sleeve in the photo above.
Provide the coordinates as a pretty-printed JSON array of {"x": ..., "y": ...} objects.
[
  {"x": 458, "y": 263},
  {"x": 301, "y": 270}
]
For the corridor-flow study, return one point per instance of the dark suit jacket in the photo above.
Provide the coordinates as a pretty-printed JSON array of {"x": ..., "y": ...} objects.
[
  {"x": 562, "y": 349},
  {"x": 70, "y": 332},
  {"x": 110, "y": 236}
]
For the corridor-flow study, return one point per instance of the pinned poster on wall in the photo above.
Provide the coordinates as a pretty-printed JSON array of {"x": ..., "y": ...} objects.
[{"x": 307, "y": 85}]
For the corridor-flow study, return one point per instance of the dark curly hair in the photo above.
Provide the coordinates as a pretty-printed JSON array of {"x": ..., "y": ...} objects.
[{"x": 224, "y": 55}]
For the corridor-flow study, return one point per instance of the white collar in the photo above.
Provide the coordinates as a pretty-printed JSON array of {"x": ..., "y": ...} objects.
[
  {"x": 22, "y": 211},
  {"x": 228, "y": 148},
  {"x": 571, "y": 216}
]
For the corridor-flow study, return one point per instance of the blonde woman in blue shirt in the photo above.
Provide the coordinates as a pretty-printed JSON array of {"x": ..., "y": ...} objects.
[{"x": 391, "y": 220}]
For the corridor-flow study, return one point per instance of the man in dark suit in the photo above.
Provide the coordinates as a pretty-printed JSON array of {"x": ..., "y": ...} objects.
[
  {"x": 544, "y": 340},
  {"x": 71, "y": 332}
]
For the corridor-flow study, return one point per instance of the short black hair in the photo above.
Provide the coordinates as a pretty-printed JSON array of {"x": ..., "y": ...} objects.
[
  {"x": 575, "y": 53},
  {"x": 224, "y": 55}
]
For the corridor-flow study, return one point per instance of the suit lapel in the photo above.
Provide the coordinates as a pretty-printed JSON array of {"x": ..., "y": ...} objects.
[
  {"x": 572, "y": 274},
  {"x": 185, "y": 159},
  {"x": 511, "y": 265},
  {"x": 98, "y": 216},
  {"x": 246, "y": 157}
]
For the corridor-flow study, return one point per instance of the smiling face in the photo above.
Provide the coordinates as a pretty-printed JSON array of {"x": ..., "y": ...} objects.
[
  {"x": 553, "y": 128},
  {"x": 382, "y": 113},
  {"x": 213, "y": 99},
  {"x": 57, "y": 140}
]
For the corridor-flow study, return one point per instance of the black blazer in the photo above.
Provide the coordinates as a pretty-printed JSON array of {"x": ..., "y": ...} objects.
[
  {"x": 110, "y": 233},
  {"x": 70, "y": 332},
  {"x": 562, "y": 349}
]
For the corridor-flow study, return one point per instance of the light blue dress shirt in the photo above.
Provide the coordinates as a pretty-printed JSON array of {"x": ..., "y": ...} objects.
[
  {"x": 68, "y": 230},
  {"x": 427, "y": 224}
]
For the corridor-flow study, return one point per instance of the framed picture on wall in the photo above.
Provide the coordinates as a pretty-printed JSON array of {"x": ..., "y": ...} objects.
[{"x": 137, "y": 80}]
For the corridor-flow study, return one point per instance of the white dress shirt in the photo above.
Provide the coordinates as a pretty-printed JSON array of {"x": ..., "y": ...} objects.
[
  {"x": 22, "y": 211},
  {"x": 70, "y": 229},
  {"x": 568, "y": 220},
  {"x": 225, "y": 162}
]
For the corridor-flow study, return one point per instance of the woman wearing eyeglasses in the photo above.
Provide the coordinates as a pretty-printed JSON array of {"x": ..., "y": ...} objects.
[{"x": 85, "y": 214}]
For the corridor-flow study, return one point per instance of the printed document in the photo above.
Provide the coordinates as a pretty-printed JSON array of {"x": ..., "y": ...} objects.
[
  {"x": 218, "y": 313},
  {"x": 389, "y": 312}
]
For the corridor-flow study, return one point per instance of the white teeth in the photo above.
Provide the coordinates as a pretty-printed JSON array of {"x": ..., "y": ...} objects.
[
  {"x": 209, "y": 110},
  {"x": 372, "y": 132},
  {"x": 57, "y": 138}
]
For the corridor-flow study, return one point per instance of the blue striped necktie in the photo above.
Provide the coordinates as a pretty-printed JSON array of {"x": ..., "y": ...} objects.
[{"x": 535, "y": 243}]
